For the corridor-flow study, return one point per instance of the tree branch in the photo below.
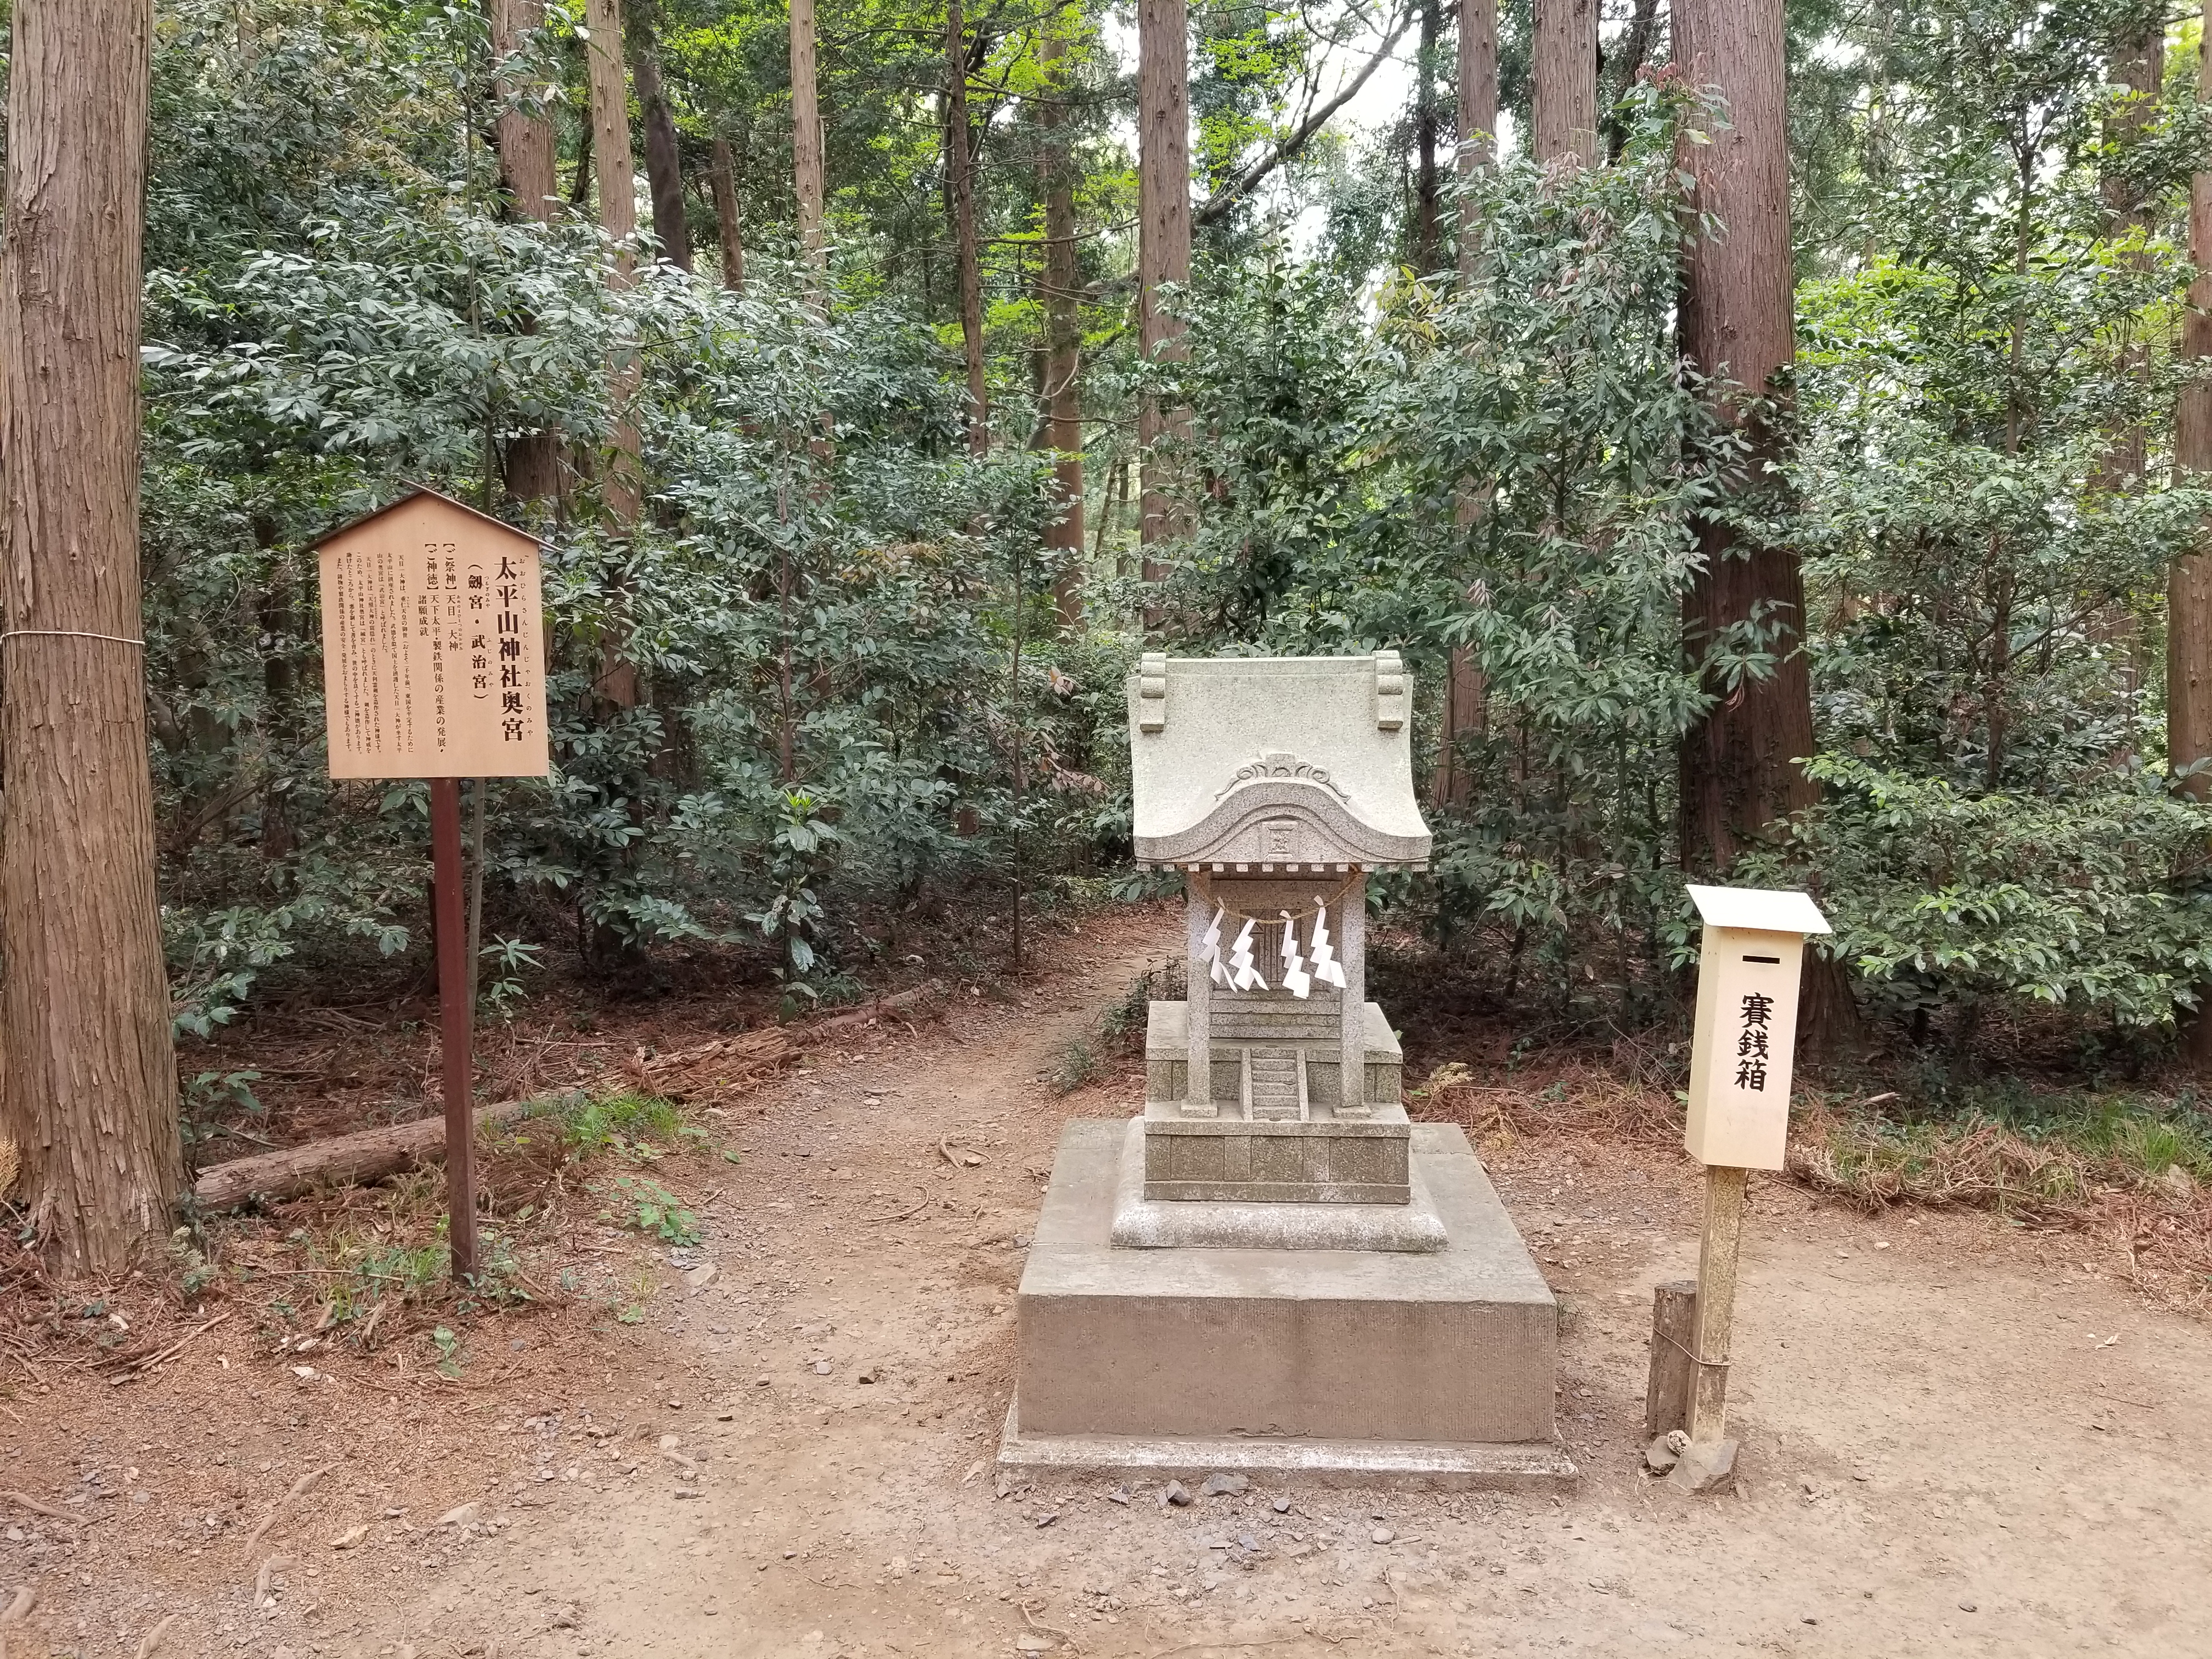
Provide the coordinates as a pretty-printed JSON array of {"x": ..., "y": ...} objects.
[{"x": 1217, "y": 205}]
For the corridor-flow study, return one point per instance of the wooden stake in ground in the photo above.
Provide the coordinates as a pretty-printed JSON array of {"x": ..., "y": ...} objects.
[
  {"x": 1741, "y": 1058},
  {"x": 1714, "y": 1320},
  {"x": 463, "y": 697},
  {"x": 91, "y": 1094}
]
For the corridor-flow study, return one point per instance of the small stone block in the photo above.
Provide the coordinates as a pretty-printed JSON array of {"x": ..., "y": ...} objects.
[{"x": 1704, "y": 1466}]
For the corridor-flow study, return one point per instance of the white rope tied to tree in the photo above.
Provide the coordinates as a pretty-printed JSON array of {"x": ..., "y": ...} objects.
[{"x": 67, "y": 633}]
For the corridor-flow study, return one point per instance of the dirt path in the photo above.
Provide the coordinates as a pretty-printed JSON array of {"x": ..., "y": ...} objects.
[{"x": 1946, "y": 1450}]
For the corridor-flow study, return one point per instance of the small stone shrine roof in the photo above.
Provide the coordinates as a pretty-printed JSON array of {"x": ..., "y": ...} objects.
[{"x": 1262, "y": 764}]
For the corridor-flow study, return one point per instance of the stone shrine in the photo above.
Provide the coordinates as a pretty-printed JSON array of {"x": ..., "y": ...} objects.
[{"x": 1274, "y": 1268}]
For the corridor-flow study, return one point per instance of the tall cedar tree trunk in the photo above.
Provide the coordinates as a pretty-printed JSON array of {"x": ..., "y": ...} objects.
[
  {"x": 1564, "y": 65},
  {"x": 959, "y": 177},
  {"x": 728, "y": 227},
  {"x": 1428, "y": 240},
  {"x": 2189, "y": 580},
  {"x": 1163, "y": 240},
  {"x": 1059, "y": 282},
  {"x": 622, "y": 488},
  {"x": 1738, "y": 770},
  {"x": 2138, "y": 67},
  {"x": 809, "y": 178},
  {"x": 1465, "y": 695},
  {"x": 531, "y": 465},
  {"x": 90, "y": 1078},
  {"x": 525, "y": 140},
  {"x": 664, "y": 166}
]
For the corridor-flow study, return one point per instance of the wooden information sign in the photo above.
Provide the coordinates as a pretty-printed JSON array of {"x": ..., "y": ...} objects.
[
  {"x": 434, "y": 666},
  {"x": 433, "y": 649}
]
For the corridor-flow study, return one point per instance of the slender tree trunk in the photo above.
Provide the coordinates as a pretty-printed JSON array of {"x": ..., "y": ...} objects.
[
  {"x": 621, "y": 487},
  {"x": 728, "y": 225},
  {"x": 532, "y": 465},
  {"x": 959, "y": 178},
  {"x": 1428, "y": 237},
  {"x": 664, "y": 165},
  {"x": 88, "y": 1092},
  {"x": 806, "y": 161},
  {"x": 1477, "y": 100},
  {"x": 1739, "y": 771},
  {"x": 1635, "y": 52},
  {"x": 2189, "y": 580},
  {"x": 525, "y": 140},
  {"x": 1466, "y": 701},
  {"x": 1565, "y": 71},
  {"x": 1059, "y": 282},
  {"x": 1164, "y": 241}
]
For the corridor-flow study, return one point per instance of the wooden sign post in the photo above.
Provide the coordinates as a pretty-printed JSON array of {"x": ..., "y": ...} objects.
[
  {"x": 434, "y": 666},
  {"x": 1741, "y": 1055}
]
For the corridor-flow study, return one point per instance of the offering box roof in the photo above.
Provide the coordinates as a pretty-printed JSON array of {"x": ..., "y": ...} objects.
[{"x": 1762, "y": 909}]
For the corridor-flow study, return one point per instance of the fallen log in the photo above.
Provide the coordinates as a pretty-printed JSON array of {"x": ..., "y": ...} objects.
[
  {"x": 371, "y": 1154},
  {"x": 927, "y": 1000}
]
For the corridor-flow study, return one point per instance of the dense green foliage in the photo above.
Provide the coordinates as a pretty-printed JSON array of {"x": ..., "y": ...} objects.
[{"x": 858, "y": 699}]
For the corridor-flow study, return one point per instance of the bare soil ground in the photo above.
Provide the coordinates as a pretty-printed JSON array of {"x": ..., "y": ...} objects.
[{"x": 1960, "y": 1436}]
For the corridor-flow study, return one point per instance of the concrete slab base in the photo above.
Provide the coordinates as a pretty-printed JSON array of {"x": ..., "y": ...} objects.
[
  {"x": 1145, "y": 1223},
  {"x": 1364, "y": 1363},
  {"x": 1539, "y": 1465}
]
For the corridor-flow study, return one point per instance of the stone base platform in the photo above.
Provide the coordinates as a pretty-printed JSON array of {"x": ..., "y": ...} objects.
[
  {"x": 1236, "y": 1160},
  {"x": 1359, "y": 1364},
  {"x": 1530, "y": 1466},
  {"x": 1144, "y": 1223}
]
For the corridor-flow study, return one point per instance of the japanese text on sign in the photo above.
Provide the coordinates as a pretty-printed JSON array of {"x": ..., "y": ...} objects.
[
  {"x": 1751, "y": 1050},
  {"x": 432, "y": 654}
]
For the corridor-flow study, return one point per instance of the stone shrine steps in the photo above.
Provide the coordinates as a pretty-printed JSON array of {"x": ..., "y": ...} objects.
[{"x": 1274, "y": 1085}]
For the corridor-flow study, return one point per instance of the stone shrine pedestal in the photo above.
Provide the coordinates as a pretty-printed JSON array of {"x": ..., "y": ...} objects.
[
  {"x": 1290, "y": 1351},
  {"x": 1273, "y": 1269}
]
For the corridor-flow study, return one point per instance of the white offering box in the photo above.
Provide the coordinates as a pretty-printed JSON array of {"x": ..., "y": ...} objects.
[{"x": 1745, "y": 1036}]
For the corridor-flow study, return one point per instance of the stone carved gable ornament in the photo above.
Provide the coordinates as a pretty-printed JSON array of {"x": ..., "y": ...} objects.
[{"x": 1273, "y": 762}]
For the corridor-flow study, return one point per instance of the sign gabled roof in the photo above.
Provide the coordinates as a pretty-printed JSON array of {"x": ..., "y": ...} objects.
[{"x": 419, "y": 493}]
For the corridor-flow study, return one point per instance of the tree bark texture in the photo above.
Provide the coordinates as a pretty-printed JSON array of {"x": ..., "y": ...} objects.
[
  {"x": 1466, "y": 701},
  {"x": 729, "y": 227},
  {"x": 1739, "y": 771},
  {"x": 531, "y": 465},
  {"x": 1565, "y": 66},
  {"x": 960, "y": 180},
  {"x": 808, "y": 175},
  {"x": 2189, "y": 580},
  {"x": 90, "y": 1081},
  {"x": 1428, "y": 236},
  {"x": 1163, "y": 238},
  {"x": 622, "y": 487},
  {"x": 1059, "y": 284},
  {"x": 1477, "y": 97},
  {"x": 614, "y": 165},
  {"x": 664, "y": 165},
  {"x": 525, "y": 140}
]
